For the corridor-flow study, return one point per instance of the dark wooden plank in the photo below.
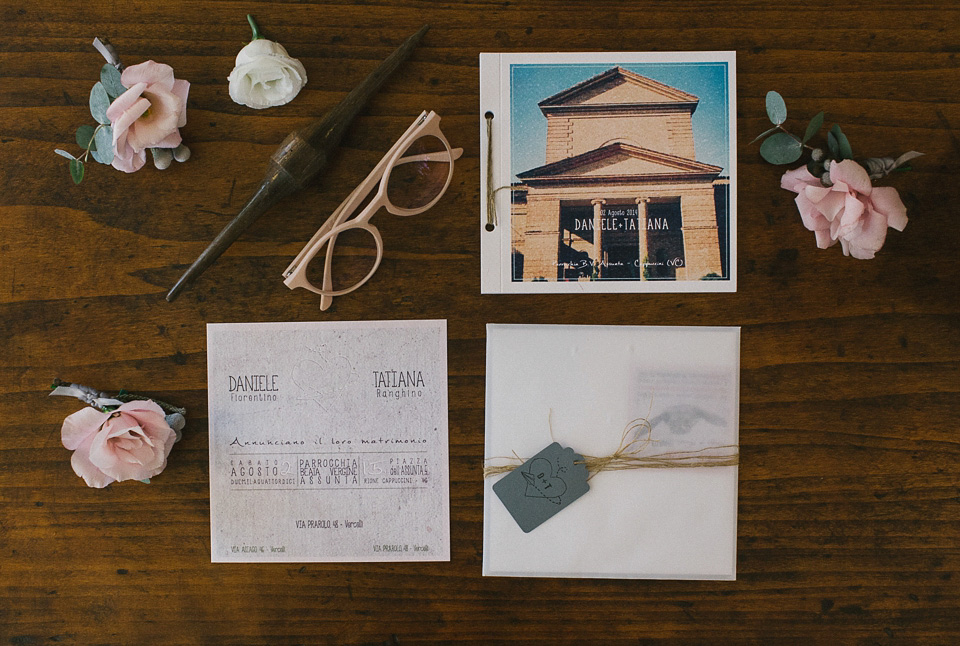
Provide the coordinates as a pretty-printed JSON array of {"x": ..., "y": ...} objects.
[{"x": 850, "y": 477}]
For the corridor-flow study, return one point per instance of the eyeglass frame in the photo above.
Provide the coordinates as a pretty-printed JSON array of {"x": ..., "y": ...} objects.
[{"x": 427, "y": 124}]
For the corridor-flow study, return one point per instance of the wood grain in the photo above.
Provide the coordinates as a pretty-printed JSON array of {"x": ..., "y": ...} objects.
[{"x": 849, "y": 529}]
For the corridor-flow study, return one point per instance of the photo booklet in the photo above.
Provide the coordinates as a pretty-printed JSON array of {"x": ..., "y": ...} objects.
[{"x": 608, "y": 172}]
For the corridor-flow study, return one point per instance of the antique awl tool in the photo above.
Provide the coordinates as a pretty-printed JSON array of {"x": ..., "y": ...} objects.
[{"x": 299, "y": 158}]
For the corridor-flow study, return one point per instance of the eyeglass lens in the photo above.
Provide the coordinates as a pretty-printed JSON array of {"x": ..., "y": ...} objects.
[
  {"x": 354, "y": 254},
  {"x": 415, "y": 184}
]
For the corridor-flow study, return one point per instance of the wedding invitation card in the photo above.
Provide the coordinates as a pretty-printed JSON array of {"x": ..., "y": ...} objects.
[
  {"x": 608, "y": 172},
  {"x": 328, "y": 441},
  {"x": 567, "y": 400}
]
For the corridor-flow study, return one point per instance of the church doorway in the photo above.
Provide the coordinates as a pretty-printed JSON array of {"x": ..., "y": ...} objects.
[{"x": 664, "y": 230}]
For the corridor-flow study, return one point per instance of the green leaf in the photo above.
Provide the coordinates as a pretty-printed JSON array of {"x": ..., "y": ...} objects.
[
  {"x": 843, "y": 145},
  {"x": 813, "y": 127},
  {"x": 99, "y": 102},
  {"x": 63, "y": 153},
  {"x": 110, "y": 78},
  {"x": 84, "y": 135},
  {"x": 776, "y": 108},
  {"x": 104, "y": 153},
  {"x": 771, "y": 130},
  {"x": 145, "y": 481},
  {"x": 833, "y": 146},
  {"x": 781, "y": 148},
  {"x": 76, "y": 170}
]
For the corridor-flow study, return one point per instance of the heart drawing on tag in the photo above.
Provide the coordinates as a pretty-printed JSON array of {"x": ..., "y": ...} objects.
[{"x": 542, "y": 482}]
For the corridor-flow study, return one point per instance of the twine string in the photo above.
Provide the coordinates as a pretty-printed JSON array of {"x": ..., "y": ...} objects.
[
  {"x": 491, "y": 193},
  {"x": 492, "y": 219},
  {"x": 636, "y": 438}
]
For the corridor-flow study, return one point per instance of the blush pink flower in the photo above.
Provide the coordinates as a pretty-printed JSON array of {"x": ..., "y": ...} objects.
[
  {"x": 852, "y": 211},
  {"x": 148, "y": 115},
  {"x": 130, "y": 443}
]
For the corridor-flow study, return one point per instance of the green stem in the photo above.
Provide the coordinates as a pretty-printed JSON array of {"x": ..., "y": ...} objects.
[
  {"x": 86, "y": 153},
  {"x": 795, "y": 138},
  {"x": 253, "y": 26}
]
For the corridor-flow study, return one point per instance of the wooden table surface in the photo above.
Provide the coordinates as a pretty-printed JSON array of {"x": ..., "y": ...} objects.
[{"x": 849, "y": 511}]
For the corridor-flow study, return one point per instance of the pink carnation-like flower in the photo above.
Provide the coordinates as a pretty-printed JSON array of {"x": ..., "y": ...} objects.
[
  {"x": 148, "y": 115},
  {"x": 130, "y": 443},
  {"x": 852, "y": 211}
]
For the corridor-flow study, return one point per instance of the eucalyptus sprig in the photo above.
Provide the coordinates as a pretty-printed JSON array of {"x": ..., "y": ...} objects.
[
  {"x": 781, "y": 146},
  {"x": 96, "y": 141}
]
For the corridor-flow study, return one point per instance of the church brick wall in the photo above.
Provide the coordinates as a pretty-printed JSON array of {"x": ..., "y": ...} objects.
[
  {"x": 541, "y": 238},
  {"x": 559, "y": 139}
]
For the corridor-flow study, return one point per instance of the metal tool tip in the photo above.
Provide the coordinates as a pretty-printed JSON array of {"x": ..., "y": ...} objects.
[{"x": 174, "y": 292}]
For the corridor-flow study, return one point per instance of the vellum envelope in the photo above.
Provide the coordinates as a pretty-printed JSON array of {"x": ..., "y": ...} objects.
[{"x": 582, "y": 386}]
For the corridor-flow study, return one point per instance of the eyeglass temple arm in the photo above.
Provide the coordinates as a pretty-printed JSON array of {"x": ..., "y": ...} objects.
[{"x": 438, "y": 156}]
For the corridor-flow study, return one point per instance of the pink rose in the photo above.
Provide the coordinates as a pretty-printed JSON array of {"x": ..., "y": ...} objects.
[
  {"x": 148, "y": 115},
  {"x": 852, "y": 211},
  {"x": 131, "y": 443}
]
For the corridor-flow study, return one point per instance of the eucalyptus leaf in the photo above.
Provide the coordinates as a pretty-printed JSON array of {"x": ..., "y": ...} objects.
[
  {"x": 104, "y": 145},
  {"x": 110, "y": 78},
  {"x": 63, "y": 153},
  {"x": 759, "y": 137},
  {"x": 813, "y": 127},
  {"x": 846, "y": 152},
  {"x": 99, "y": 102},
  {"x": 776, "y": 108},
  {"x": 76, "y": 170},
  {"x": 781, "y": 148},
  {"x": 833, "y": 145},
  {"x": 84, "y": 135}
]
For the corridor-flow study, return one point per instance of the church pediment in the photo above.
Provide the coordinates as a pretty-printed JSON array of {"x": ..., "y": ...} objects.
[
  {"x": 618, "y": 87},
  {"x": 620, "y": 160}
]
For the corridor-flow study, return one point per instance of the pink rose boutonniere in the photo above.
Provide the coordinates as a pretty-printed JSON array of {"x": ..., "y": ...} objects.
[
  {"x": 148, "y": 115},
  {"x": 137, "y": 108},
  {"x": 118, "y": 440},
  {"x": 835, "y": 194}
]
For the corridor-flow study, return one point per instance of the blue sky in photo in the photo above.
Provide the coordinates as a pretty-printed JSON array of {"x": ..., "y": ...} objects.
[{"x": 531, "y": 83}]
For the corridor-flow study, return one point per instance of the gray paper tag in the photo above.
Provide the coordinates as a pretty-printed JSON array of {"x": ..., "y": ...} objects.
[{"x": 542, "y": 486}]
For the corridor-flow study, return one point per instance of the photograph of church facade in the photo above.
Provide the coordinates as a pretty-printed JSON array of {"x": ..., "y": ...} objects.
[{"x": 621, "y": 195}]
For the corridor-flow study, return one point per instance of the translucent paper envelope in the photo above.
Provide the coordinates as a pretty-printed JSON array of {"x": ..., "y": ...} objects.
[{"x": 582, "y": 386}]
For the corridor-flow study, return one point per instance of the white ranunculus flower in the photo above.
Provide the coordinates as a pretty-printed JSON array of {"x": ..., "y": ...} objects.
[{"x": 265, "y": 75}]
